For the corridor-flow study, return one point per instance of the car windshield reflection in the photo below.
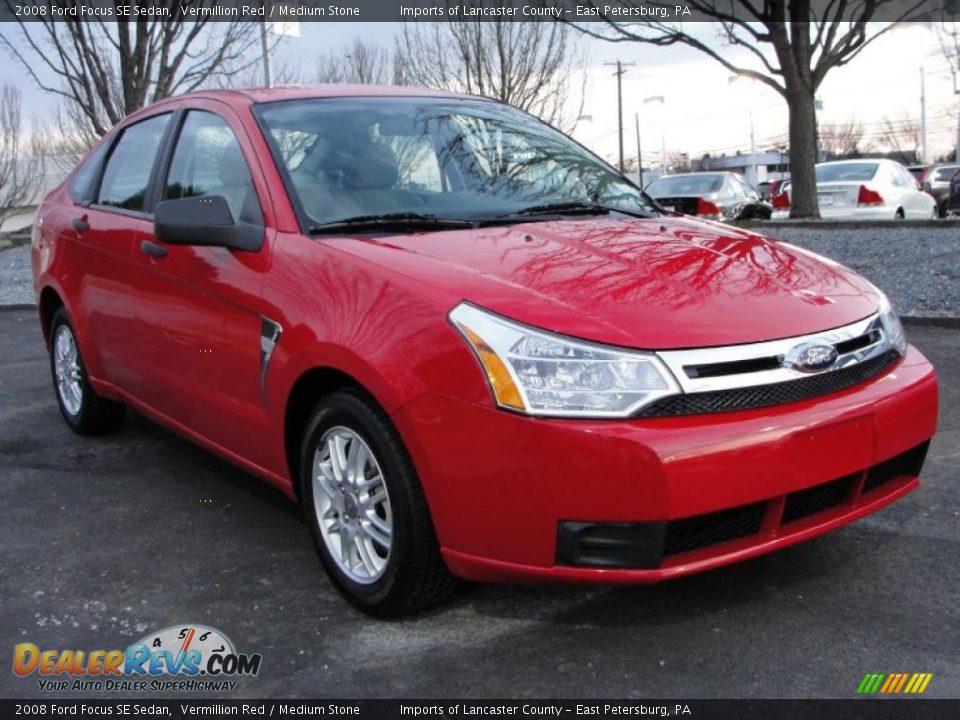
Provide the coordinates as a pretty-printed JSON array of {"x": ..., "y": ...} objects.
[{"x": 452, "y": 160}]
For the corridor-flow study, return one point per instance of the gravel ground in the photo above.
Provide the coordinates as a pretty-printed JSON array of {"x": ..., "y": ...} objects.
[
  {"x": 923, "y": 281},
  {"x": 918, "y": 267},
  {"x": 16, "y": 285}
]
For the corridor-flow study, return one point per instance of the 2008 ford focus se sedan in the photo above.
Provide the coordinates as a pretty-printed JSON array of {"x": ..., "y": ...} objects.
[{"x": 466, "y": 345}]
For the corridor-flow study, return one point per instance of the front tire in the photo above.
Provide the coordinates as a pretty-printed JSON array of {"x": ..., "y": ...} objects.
[
  {"x": 84, "y": 411},
  {"x": 367, "y": 511}
]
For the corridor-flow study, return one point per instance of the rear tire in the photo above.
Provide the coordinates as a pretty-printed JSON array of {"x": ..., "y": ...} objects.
[
  {"x": 83, "y": 410},
  {"x": 899, "y": 215},
  {"x": 367, "y": 510}
]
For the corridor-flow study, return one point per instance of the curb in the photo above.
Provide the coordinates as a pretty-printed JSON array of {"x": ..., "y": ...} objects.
[
  {"x": 18, "y": 306},
  {"x": 848, "y": 224}
]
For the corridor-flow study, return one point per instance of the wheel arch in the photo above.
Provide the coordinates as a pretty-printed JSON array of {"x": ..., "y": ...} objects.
[
  {"x": 50, "y": 301},
  {"x": 307, "y": 389}
]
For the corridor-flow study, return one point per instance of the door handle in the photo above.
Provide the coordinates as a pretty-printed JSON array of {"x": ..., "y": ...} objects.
[
  {"x": 152, "y": 249},
  {"x": 80, "y": 225}
]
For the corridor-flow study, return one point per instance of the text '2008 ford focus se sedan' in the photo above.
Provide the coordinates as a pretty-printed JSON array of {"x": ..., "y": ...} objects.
[{"x": 466, "y": 345}]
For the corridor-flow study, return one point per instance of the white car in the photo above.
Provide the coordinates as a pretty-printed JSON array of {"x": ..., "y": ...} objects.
[{"x": 865, "y": 190}]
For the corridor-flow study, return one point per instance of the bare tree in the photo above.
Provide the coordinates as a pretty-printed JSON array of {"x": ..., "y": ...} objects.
[
  {"x": 22, "y": 161},
  {"x": 534, "y": 66},
  {"x": 789, "y": 45},
  {"x": 282, "y": 72},
  {"x": 901, "y": 137},
  {"x": 362, "y": 63},
  {"x": 842, "y": 140},
  {"x": 105, "y": 69}
]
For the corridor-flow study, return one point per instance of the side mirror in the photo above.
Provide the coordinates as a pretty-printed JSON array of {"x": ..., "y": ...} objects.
[{"x": 206, "y": 221}]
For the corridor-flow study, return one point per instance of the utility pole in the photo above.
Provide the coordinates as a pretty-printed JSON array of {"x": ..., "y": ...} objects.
[
  {"x": 265, "y": 48},
  {"x": 636, "y": 117},
  {"x": 619, "y": 73}
]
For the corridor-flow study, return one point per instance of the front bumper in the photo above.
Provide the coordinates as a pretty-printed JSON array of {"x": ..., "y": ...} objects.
[{"x": 500, "y": 486}]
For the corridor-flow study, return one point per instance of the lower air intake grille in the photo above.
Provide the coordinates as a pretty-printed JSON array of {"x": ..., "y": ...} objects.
[
  {"x": 705, "y": 530},
  {"x": 811, "y": 501},
  {"x": 906, "y": 465},
  {"x": 760, "y": 396}
]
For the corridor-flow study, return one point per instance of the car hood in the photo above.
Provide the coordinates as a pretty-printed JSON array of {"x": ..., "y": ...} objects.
[{"x": 654, "y": 284}]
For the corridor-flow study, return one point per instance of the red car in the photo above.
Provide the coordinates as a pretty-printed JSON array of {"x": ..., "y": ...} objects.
[{"x": 466, "y": 345}]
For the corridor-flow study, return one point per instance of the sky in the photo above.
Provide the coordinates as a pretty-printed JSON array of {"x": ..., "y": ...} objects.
[{"x": 701, "y": 110}]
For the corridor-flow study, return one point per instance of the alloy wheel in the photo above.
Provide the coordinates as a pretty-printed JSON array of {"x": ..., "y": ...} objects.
[
  {"x": 66, "y": 363},
  {"x": 352, "y": 505}
]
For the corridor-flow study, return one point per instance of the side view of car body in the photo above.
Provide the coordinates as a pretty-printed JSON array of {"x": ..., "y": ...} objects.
[
  {"x": 865, "y": 190},
  {"x": 466, "y": 345},
  {"x": 713, "y": 196}
]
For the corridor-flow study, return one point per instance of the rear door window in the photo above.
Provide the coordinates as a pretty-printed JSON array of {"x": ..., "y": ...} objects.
[
  {"x": 127, "y": 174},
  {"x": 82, "y": 189}
]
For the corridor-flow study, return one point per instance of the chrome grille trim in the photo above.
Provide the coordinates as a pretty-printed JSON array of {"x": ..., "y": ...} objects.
[{"x": 679, "y": 360}]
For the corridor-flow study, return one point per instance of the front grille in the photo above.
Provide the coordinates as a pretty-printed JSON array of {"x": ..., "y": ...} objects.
[
  {"x": 760, "y": 396},
  {"x": 704, "y": 530},
  {"x": 804, "y": 503},
  {"x": 906, "y": 465}
]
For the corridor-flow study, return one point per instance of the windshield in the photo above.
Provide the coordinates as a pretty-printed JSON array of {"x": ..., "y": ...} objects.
[
  {"x": 855, "y": 171},
  {"x": 685, "y": 185},
  {"x": 464, "y": 159}
]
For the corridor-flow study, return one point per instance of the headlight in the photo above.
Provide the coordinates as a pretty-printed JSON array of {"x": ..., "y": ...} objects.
[
  {"x": 540, "y": 373},
  {"x": 892, "y": 325}
]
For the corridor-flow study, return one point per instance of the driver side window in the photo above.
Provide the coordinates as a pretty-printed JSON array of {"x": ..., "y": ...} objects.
[{"x": 208, "y": 161}]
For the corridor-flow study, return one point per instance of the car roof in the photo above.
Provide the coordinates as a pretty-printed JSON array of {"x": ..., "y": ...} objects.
[{"x": 245, "y": 97}]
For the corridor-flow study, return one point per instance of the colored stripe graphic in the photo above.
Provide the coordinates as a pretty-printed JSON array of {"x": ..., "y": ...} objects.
[
  {"x": 870, "y": 683},
  {"x": 903, "y": 680},
  {"x": 893, "y": 683}
]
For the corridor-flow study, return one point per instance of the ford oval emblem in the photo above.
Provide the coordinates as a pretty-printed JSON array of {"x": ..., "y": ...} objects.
[{"x": 810, "y": 358}]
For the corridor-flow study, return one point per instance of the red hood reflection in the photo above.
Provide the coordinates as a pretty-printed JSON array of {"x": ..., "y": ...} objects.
[{"x": 661, "y": 283}]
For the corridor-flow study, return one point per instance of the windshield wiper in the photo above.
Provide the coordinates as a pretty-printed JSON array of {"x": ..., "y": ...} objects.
[
  {"x": 390, "y": 221},
  {"x": 564, "y": 208}
]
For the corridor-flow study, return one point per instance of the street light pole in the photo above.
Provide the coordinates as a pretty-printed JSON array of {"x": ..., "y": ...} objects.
[
  {"x": 753, "y": 149},
  {"x": 660, "y": 100},
  {"x": 923, "y": 115},
  {"x": 619, "y": 73}
]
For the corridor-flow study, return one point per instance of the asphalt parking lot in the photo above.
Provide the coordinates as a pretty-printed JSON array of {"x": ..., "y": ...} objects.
[{"x": 103, "y": 540}]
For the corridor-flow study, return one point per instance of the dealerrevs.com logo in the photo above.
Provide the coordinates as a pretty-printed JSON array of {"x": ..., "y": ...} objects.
[{"x": 186, "y": 658}]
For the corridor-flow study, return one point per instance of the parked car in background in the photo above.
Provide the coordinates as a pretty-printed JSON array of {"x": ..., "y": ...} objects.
[
  {"x": 865, "y": 190},
  {"x": 710, "y": 195},
  {"x": 776, "y": 186},
  {"x": 952, "y": 208},
  {"x": 918, "y": 171},
  {"x": 490, "y": 357},
  {"x": 936, "y": 182},
  {"x": 763, "y": 189}
]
